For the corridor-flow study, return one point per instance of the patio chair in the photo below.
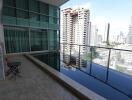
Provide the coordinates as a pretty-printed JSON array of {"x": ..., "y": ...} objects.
[{"x": 13, "y": 68}]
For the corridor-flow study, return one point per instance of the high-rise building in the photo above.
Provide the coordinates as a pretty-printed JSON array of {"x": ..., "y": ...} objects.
[
  {"x": 75, "y": 28},
  {"x": 66, "y": 33},
  {"x": 121, "y": 38},
  {"x": 99, "y": 40},
  {"x": 129, "y": 36},
  {"x": 93, "y": 35}
]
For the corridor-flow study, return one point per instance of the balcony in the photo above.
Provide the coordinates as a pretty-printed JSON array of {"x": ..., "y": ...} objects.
[
  {"x": 100, "y": 69},
  {"x": 88, "y": 75},
  {"x": 33, "y": 83}
]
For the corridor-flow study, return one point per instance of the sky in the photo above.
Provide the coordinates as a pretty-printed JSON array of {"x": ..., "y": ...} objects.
[{"x": 115, "y": 12}]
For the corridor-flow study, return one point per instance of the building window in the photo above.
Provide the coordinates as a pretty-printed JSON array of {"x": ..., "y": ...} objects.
[
  {"x": 38, "y": 40},
  {"x": 44, "y": 18},
  {"x": 22, "y": 4},
  {"x": 34, "y": 19},
  {"x": 9, "y": 16},
  {"x": 34, "y": 5},
  {"x": 44, "y": 8},
  {"x": 9, "y": 12},
  {"x": 22, "y": 18},
  {"x": 9, "y": 3},
  {"x": 53, "y": 38},
  {"x": 44, "y": 21},
  {"x": 53, "y": 11},
  {"x": 16, "y": 40}
]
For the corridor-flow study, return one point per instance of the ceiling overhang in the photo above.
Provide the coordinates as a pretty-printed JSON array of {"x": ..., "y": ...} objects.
[{"x": 55, "y": 2}]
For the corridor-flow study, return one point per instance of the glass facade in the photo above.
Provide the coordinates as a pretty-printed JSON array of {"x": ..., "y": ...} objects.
[
  {"x": 39, "y": 40},
  {"x": 16, "y": 40},
  {"x": 30, "y": 22}
]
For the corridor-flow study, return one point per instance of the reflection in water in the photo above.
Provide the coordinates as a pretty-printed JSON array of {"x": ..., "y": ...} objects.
[
  {"x": 51, "y": 58},
  {"x": 100, "y": 72}
]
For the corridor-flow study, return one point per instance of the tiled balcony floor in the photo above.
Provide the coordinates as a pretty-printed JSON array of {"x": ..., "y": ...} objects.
[{"x": 33, "y": 84}]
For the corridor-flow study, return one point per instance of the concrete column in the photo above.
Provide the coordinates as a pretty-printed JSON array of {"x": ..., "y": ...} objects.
[
  {"x": 2, "y": 43},
  {"x": 1, "y": 33},
  {"x": 1, "y": 4},
  {"x": 2, "y": 46}
]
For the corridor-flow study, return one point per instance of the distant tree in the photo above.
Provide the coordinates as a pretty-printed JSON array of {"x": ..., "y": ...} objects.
[
  {"x": 120, "y": 68},
  {"x": 89, "y": 57}
]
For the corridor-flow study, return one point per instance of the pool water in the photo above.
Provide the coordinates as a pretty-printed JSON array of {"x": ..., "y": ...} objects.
[{"x": 116, "y": 79}]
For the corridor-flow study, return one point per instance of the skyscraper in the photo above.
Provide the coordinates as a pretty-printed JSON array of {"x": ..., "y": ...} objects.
[
  {"x": 121, "y": 38},
  {"x": 75, "y": 30},
  {"x": 93, "y": 35},
  {"x": 129, "y": 36}
]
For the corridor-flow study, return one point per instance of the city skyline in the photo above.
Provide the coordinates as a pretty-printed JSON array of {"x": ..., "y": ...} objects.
[{"x": 103, "y": 11}]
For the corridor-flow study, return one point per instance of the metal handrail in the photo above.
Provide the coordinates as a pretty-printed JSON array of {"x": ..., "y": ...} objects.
[
  {"x": 107, "y": 66},
  {"x": 99, "y": 47}
]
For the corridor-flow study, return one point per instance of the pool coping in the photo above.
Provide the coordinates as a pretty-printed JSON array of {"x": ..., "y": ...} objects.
[{"x": 79, "y": 90}]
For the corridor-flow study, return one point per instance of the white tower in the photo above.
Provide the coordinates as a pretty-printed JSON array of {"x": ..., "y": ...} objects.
[
  {"x": 75, "y": 31},
  {"x": 129, "y": 36}
]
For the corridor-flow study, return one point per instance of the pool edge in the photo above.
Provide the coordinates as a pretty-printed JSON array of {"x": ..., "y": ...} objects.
[{"x": 79, "y": 90}]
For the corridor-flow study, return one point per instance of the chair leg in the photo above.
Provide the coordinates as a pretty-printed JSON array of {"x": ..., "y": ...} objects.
[{"x": 8, "y": 72}]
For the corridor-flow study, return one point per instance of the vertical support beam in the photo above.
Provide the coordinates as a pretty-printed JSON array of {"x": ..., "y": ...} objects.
[
  {"x": 2, "y": 45},
  {"x": 2, "y": 72},
  {"x": 48, "y": 37},
  {"x": 91, "y": 50},
  {"x": 89, "y": 33},
  {"x": 59, "y": 30},
  {"x": 79, "y": 57},
  {"x": 29, "y": 31},
  {"x": 14, "y": 3},
  {"x": 1, "y": 4},
  {"x": 59, "y": 45},
  {"x": 63, "y": 56},
  {"x": 58, "y": 55},
  {"x": 2, "y": 41},
  {"x": 108, "y": 65},
  {"x": 70, "y": 53}
]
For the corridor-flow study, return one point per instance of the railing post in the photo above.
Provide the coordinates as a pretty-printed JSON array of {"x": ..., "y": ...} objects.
[
  {"x": 29, "y": 39},
  {"x": 79, "y": 57},
  {"x": 63, "y": 54},
  {"x": 59, "y": 62},
  {"x": 70, "y": 53},
  {"x": 91, "y": 49},
  {"x": 108, "y": 65}
]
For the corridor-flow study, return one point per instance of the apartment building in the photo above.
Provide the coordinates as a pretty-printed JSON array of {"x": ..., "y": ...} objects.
[{"x": 75, "y": 30}]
